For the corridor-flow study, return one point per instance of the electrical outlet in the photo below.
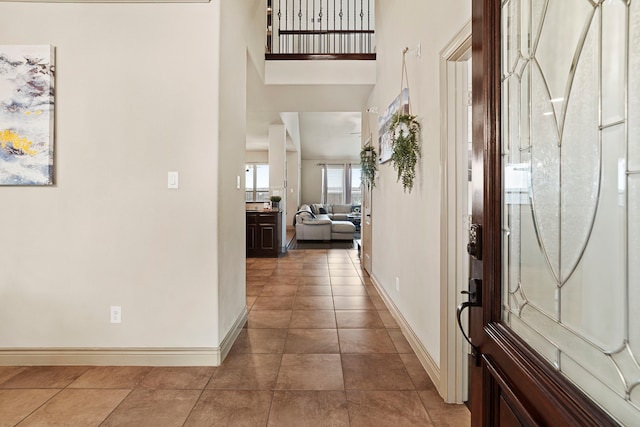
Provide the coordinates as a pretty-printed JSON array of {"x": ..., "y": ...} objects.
[
  {"x": 398, "y": 284},
  {"x": 116, "y": 314}
]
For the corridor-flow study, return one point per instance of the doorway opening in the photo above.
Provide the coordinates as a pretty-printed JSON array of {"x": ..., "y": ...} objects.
[{"x": 455, "y": 98}]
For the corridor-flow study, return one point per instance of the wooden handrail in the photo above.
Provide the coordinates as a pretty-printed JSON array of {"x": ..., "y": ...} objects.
[
  {"x": 320, "y": 56},
  {"x": 321, "y": 32}
]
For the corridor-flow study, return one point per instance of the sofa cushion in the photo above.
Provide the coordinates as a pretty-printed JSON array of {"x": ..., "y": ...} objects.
[
  {"x": 317, "y": 221},
  {"x": 341, "y": 209},
  {"x": 342, "y": 227}
]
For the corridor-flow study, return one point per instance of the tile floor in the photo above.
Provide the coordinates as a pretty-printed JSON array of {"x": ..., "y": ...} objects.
[{"x": 319, "y": 349}]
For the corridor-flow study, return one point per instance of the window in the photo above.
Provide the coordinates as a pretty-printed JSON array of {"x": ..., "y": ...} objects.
[
  {"x": 341, "y": 184},
  {"x": 334, "y": 185},
  {"x": 257, "y": 183},
  {"x": 356, "y": 185}
]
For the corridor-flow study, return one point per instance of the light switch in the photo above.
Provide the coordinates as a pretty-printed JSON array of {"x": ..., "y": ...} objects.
[
  {"x": 238, "y": 182},
  {"x": 173, "y": 180}
]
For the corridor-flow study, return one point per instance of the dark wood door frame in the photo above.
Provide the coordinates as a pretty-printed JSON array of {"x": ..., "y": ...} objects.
[{"x": 513, "y": 384}]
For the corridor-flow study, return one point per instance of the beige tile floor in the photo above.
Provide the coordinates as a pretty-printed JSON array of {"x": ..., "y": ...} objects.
[{"x": 319, "y": 349}]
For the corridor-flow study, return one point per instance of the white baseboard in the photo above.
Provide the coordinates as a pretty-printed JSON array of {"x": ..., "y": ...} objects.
[
  {"x": 230, "y": 338},
  {"x": 429, "y": 365},
  {"x": 180, "y": 356}
]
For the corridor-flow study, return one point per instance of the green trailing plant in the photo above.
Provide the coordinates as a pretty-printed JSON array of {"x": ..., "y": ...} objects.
[
  {"x": 368, "y": 165},
  {"x": 405, "y": 148}
]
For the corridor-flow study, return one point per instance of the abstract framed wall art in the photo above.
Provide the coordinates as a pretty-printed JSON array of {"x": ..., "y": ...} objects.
[
  {"x": 399, "y": 105},
  {"x": 26, "y": 114}
]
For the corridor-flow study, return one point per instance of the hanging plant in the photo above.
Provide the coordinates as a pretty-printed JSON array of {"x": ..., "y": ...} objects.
[
  {"x": 368, "y": 166},
  {"x": 405, "y": 147}
]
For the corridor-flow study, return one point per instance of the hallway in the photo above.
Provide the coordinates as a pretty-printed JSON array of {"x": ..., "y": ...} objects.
[{"x": 319, "y": 349}]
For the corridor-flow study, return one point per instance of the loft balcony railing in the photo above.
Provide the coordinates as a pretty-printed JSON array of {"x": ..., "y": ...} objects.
[{"x": 320, "y": 29}]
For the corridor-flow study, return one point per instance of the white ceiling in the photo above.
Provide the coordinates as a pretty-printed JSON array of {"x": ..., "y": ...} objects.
[
  {"x": 329, "y": 116},
  {"x": 330, "y": 136}
]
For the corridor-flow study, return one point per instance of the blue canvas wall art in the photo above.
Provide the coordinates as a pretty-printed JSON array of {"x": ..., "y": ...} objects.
[
  {"x": 399, "y": 105},
  {"x": 26, "y": 114}
]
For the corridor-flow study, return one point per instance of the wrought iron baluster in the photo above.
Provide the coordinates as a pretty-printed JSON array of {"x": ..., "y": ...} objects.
[
  {"x": 361, "y": 26},
  {"x": 306, "y": 24},
  {"x": 369, "y": 44},
  {"x": 348, "y": 47},
  {"x": 279, "y": 26},
  {"x": 341, "y": 35},
  {"x": 334, "y": 26},
  {"x": 299, "y": 26},
  {"x": 320, "y": 50}
]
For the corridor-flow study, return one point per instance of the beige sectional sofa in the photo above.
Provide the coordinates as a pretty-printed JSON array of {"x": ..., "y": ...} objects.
[{"x": 323, "y": 226}]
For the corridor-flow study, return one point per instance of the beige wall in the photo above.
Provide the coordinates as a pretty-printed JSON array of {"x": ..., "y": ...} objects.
[
  {"x": 293, "y": 185},
  {"x": 311, "y": 182},
  {"x": 406, "y": 227},
  {"x": 238, "y": 34},
  {"x": 257, "y": 157},
  {"x": 137, "y": 95}
]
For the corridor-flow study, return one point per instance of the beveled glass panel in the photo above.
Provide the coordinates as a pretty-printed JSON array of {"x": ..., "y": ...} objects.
[
  {"x": 516, "y": 193},
  {"x": 513, "y": 88},
  {"x": 634, "y": 264},
  {"x": 614, "y": 46},
  {"x": 634, "y": 86},
  {"x": 577, "y": 347},
  {"x": 507, "y": 264},
  {"x": 525, "y": 110},
  {"x": 627, "y": 365},
  {"x": 539, "y": 286},
  {"x": 545, "y": 173},
  {"x": 559, "y": 41},
  {"x": 511, "y": 30},
  {"x": 524, "y": 36},
  {"x": 580, "y": 157},
  {"x": 536, "y": 12},
  {"x": 571, "y": 283},
  {"x": 603, "y": 260},
  {"x": 506, "y": 140},
  {"x": 623, "y": 411},
  {"x": 532, "y": 337},
  {"x": 635, "y": 396}
]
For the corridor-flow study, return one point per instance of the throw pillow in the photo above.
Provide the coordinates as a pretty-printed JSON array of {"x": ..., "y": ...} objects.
[
  {"x": 304, "y": 216},
  {"x": 323, "y": 211},
  {"x": 315, "y": 208}
]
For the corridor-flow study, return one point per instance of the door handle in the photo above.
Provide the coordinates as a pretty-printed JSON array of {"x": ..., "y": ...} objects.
[{"x": 475, "y": 300}]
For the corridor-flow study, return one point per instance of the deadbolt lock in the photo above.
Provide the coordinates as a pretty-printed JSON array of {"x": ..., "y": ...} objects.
[{"x": 474, "y": 248}]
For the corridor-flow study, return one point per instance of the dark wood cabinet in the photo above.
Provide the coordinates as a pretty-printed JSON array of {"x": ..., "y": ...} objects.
[{"x": 264, "y": 234}]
